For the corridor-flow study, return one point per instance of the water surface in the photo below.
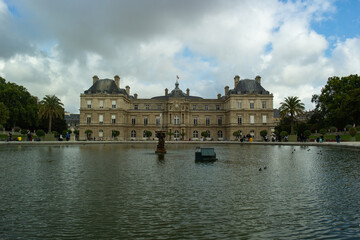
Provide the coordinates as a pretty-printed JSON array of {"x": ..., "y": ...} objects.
[{"x": 128, "y": 192}]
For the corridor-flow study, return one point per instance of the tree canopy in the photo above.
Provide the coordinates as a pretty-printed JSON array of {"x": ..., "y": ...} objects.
[
  {"x": 339, "y": 101},
  {"x": 22, "y": 106}
]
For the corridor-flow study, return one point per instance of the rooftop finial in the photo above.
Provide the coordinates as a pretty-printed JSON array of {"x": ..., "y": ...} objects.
[{"x": 177, "y": 82}]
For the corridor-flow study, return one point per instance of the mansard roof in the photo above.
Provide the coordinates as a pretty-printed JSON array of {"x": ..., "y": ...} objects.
[
  {"x": 105, "y": 86},
  {"x": 248, "y": 86},
  {"x": 176, "y": 93}
]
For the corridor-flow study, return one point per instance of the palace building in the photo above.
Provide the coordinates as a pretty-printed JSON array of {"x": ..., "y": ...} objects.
[{"x": 105, "y": 107}]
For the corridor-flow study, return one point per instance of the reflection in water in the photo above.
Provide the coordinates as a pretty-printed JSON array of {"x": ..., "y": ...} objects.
[{"x": 128, "y": 192}]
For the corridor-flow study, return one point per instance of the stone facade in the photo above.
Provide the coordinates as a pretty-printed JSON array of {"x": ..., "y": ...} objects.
[{"x": 105, "y": 107}]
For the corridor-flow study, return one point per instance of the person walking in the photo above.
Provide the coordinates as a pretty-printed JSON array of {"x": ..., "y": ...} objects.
[{"x": 337, "y": 138}]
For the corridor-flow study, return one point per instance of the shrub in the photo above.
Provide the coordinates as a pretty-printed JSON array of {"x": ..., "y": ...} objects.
[
  {"x": 237, "y": 134},
  {"x": 148, "y": 133},
  {"x": 333, "y": 129},
  {"x": 358, "y": 128},
  {"x": 23, "y": 131},
  {"x": 17, "y": 129},
  {"x": 348, "y": 126},
  {"x": 1, "y": 127},
  {"x": 40, "y": 133},
  {"x": 204, "y": 134},
  {"x": 283, "y": 134},
  {"x": 352, "y": 131},
  {"x": 55, "y": 133},
  {"x": 323, "y": 131},
  {"x": 307, "y": 133}
]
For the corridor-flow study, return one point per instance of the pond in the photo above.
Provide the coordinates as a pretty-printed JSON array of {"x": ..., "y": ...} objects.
[{"x": 120, "y": 191}]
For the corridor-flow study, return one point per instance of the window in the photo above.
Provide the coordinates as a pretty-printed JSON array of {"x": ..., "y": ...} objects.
[
  {"x": 251, "y": 104},
  {"x": 88, "y": 103},
  {"x": 220, "y": 134},
  {"x": 252, "y": 121},
  {"x": 239, "y": 105},
  {"x": 159, "y": 106},
  {"x": 144, "y": 134},
  {"x": 176, "y": 134},
  {"x": 133, "y": 120},
  {"x": 264, "y": 119},
  {"x": 208, "y": 133},
  {"x": 219, "y": 120},
  {"x": 145, "y": 121},
  {"x": 207, "y": 121},
  {"x": 176, "y": 120},
  {"x": 263, "y": 104},
  {"x": 195, "y": 121},
  {"x": 194, "y": 107},
  {"x": 113, "y": 104},
  {"x": 101, "y": 119},
  {"x": 206, "y": 107},
  {"x": 113, "y": 119},
  {"x": 252, "y": 133},
  {"x": 88, "y": 119},
  {"x": 101, "y": 133},
  {"x": 217, "y": 107},
  {"x": 136, "y": 107},
  {"x": 158, "y": 120},
  {"x": 133, "y": 134},
  {"x": 101, "y": 104},
  {"x": 195, "y": 134},
  {"x": 239, "y": 120},
  {"x": 147, "y": 107}
]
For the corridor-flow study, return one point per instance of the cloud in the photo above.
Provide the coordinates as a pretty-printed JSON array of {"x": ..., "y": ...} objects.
[{"x": 55, "y": 47}]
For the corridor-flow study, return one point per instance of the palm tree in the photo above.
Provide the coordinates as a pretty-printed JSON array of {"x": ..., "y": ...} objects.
[
  {"x": 291, "y": 107},
  {"x": 51, "y": 107}
]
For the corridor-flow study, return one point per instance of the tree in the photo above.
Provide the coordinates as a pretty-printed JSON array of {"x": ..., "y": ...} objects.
[
  {"x": 204, "y": 134},
  {"x": 283, "y": 134},
  {"x": 182, "y": 134},
  {"x": 23, "y": 106},
  {"x": 51, "y": 107},
  {"x": 147, "y": 133},
  {"x": 291, "y": 107},
  {"x": 114, "y": 133},
  {"x": 237, "y": 134},
  {"x": 339, "y": 101},
  {"x": 352, "y": 131},
  {"x": 170, "y": 134},
  {"x": 40, "y": 133},
  {"x": 88, "y": 133},
  {"x": 4, "y": 113},
  {"x": 263, "y": 133}
]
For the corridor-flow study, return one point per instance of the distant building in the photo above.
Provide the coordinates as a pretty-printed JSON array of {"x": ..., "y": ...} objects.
[
  {"x": 105, "y": 106},
  {"x": 72, "y": 121}
]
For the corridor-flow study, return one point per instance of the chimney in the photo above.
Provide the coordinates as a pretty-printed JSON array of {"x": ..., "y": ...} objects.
[
  {"x": 258, "y": 79},
  {"x": 226, "y": 90},
  {"x": 117, "y": 80},
  {"x": 166, "y": 91},
  {"x": 127, "y": 90},
  {"x": 187, "y": 92},
  {"x": 95, "y": 78},
  {"x": 135, "y": 95},
  {"x": 219, "y": 95},
  {"x": 236, "y": 80}
]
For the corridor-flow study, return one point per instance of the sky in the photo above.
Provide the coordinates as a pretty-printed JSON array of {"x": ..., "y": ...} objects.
[{"x": 56, "y": 47}]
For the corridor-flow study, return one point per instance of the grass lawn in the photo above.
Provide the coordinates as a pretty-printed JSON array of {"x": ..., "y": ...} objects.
[{"x": 344, "y": 137}]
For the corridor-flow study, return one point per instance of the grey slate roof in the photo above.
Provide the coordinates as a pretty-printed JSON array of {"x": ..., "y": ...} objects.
[
  {"x": 176, "y": 93},
  {"x": 248, "y": 86},
  {"x": 105, "y": 86}
]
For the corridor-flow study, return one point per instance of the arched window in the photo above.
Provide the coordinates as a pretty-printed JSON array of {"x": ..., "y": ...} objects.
[
  {"x": 220, "y": 134},
  {"x": 144, "y": 133},
  {"x": 176, "y": 134},
  {"x": 133, "y": 134},
  {"x": 101, "y": 133},
  {"x": 195, "y": 134},
  {"x": 252, "y": 133},
  {"x": 208, "y": 133}
]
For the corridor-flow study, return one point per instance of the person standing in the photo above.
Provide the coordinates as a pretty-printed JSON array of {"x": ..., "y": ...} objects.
[{"x": 337, "y": 138}]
